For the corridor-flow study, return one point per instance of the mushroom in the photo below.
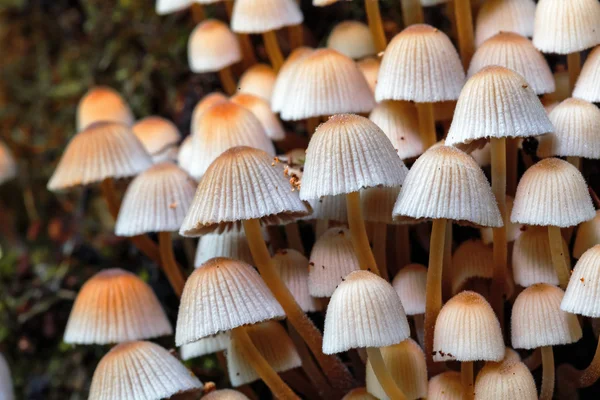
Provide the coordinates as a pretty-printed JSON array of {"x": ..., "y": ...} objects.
[
  {"x": 370, "y": 69},
  {"x": 504, "y": 17},
  {"x": 464, "y": 29},
  {"x": 231, "y": 243},
  {"x": 262, "y": 111},
  {"x": 513, "y": 231},
  {"x": 410, "y": 284},
  {"x": 204, "y": 346},
  {"x": 328, "y": 209},
  {"x": 352, "y": 39},
  {"x": 292, "y": 268},
  {"x": 472, "y": 260},
  {"x": 102, "y": 104},
  {"x": 159, "y": 136},
  {"x": 508, "y": 379},
  {"x": 279, "y": 94},
  {"x": 398, "y": 120},
  {"x": 258, "y": 80},
  {"x": 588, "y": 83},
  {"x": 445, "y": 386}
]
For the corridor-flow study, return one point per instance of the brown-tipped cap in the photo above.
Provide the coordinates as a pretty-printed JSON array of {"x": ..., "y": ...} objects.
[
  {"x": 262, "y": 111},
  {"x": 497, "y": 102},
  {"x": 447, "y": 183},
  {"x": 212, "y": 47},
  {"x": 552, "y": 192},
  {"x": 410, "y": 283},
  {"x": 515, "y": 52},
  {"x": 293, "y": 270},
  {"x": 103, "y": 150},
  {"x": 8, "y": 166},
  {"x": 398, "y": 120},
  {"x": 505, "y": 380},
  {"x": 370, "y": 70},
  {"x": 445, "y": 386},
  {"x": 326, "y": 82},
  {"x": 353, "y": 39},
  {"x": 225, "y": 394},
  {"x": 582, "y": 295},
  {"x": 102, "y": 104},
  {"x": 221, "y": 295},
  {"x": 231, "y": 243},
  {"x": 208, "y": 101},
  {"x": 284, "y": 77},
  {"x": 204, "y": 346},
  {"x": 158, "y": 135},
  {"x": 115, "y": 306},
  {"x": 156, "y": 375},
  {"x": 588, "y": 86},
  {"x": 587, "y": 236},
  {"x": 258, "y": 80},
  {"x": 472, "y": 259},
  {"x": 255, "y": 188},
  {"x": 538, "y": 321},
  {"x": 431, "y": 68},
  {"x": 496, "y": 16},
  {"x": 348, "y": 153},
  {"x": 256, "y": 16}
]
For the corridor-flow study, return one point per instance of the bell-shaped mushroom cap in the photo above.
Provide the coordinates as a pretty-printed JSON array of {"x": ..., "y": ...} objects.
[
  {"x": 359, "y": 394},
  {"x": 102, "y": 104},
  {"x": 8, "y": 166},
  {"x": 508, "y": 379},
  {"x": 158, "y": 136},
  {"x": 258, "y": 80},
  {"x": 221, "y": 295},
  {"x": 207, "y": 102},
  {"x": 576, "y": 127},
  {"x": 212, "y": 47},
  {"x": 292, "y": 267},
  {"x": 496, "y": 16},
  {"x": 378, "y": 202},
  {"x": 497, "y": 102},
  {"x": 467, "y": 330},
  {"x": 325, "y": 82},
  {"x": 566, "y": 26},
  {"x": 6, "y": 383},
  {"x": 261, "y": 110},
  {"x": 164, "y": 7},
  {"x": 204, "y": 346},
  {"x": 156, "y": 375},
  {"x": 273, "y": 343},
  {"x": 445, "y": 386},
  {"x": 410, "y": 283},
  {"x": 512, "y": 230},
  {"x": 370, "y": 70},
  {"x": 406, "y": 363},
  {"x": 588, "y": 83},
  {"x": 156, "y": 201},
  {"x": 538, "y": 321},
  {"x": 531, "y": 258},
  {"x": 348, "y": 153},
  {"x": 364, "y": 311},
  {"x": 221, "y": 127},
  {"x": 184, "y": 154},
  {"x": 257, "y": 16},
  {"x": 353, "y": 39},
  {"x": 331, "y": 208},
  {"x": 471, "y": 259},
  {"x": 285, "y": 76},
  {"x": 331, "y": 259},
  {"x": 447, "y": 183},
  {"x": 231, "y": 243},
  {"x": 582, "y": 296},
  {"x": 431, "y": 68},
  {"x": 103, "y": 150},
  {"x": 256, "y": 189},
  {"x": 225, "y": 394},
  {"x": 587, "y": 236},
  {"x": 552, "y": 192},
  {"x": 515, "y": 52},
  {"x": 398, "y": 120},
  {"x": 115, "y": 306}
]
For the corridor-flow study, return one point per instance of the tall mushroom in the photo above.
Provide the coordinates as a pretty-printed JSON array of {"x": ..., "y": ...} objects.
[
  {"x": 102, "y": 104},
  {"x": 504, "y": 16}
]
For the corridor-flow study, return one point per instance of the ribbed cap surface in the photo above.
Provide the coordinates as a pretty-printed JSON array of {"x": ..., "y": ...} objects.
[
  {"x": 285, "y": 75},
  {"x": 364, "y": 311},
  {"x": 445, "y": 386},
  {"x": 588, "y": 235},
  {"x": 231, "y": 243},
  {"x": 505, "y": 380},
  {"x": 532, "y": 260},
  {"x": 431, "y": 69},
  {"x": 221, "y": 295},
  {"x": 447, "y": 183},
  {"x": 566, "y": 26},
  {"x": 331, "y": 259},
  {"x": 273, "y": 343},
  {"x": 156, "y": 201},
  {"x": 583, "y": 292},
  {"x": 406, "y": 363},
  {"x": 212, "y": 47},
  {"x": 140, "y": 370},
  {"x": 496, "y": 16},
  {"x": 537, "y": 319},
  {"x": 102, "y": 104},
  {"x": 398, "y": 120},
  {"x": 348, "y": 153},
  {"x": 472, "y": 259},
  {"x": 512, "y": 230},
  {"x": 103, "y": 150},
  {"x": 258, "y": 80},
  {"x": 515, "y": 52},
  {"x": 378, "y": 202},
  {"x": 225, "y": 394},
  {"x": 552, "y": 192},
  {"x": 352, "y": 38},
  {"x": 256, "y": 16},
  {"x": 467, "y": 330},
  {"x": 6, "y": 384},
  {"x": 261, "y": 110},
  {"x": 204, "y": 346},
  {"x": 588, "y": 84},
  {"x": 410, "y": 283},
  {"x": 292, "y": 267},
  {"x": 115, "y": 306},
  {"x": 576, "y": 126},
  {"x": 497, "y": 102},
  {"x": 370, "y": 70},
  {"x": 158, "y": 135},
  {"x": 8, "y": 167},
  {"x": 332, "y": 208},
  {"x": 211, "y": 99},
  {"x": 255, "y": 188},
  {"x": 325, "y": 82}
]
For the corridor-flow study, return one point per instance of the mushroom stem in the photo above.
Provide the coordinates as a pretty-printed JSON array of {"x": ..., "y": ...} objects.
[
  {"x": 273, "y": 49},
  {"x": 375, "y": 24},
  {"x": 575, "y": 161},
  {"x": 558, "y": 256},
  {"x": 412, "y": 12},
  {"x": 466, "y": 378},
  {"x": 402, "y": 246},
  {"x": 261, "y": 366},
  {"x": 447, "y": 264},
  {"x": 464, "y": 28},
  {"x": 426, "y": 124},
  {"x": 227, "y": 80},
  {"x": 198, "y": 13},
  {"x": 574, "y": 67},
  {"x": 547, "y": 374},
  {"x": 379, "y": 241},
  {"x": 498, "y": 150},
  {"x": 294, "y": 240},
  {"x": 433, "y": 300},
  {"x": 419, "y": 324},
  {"x": 169, "y": 265},
  {"x": 321, "y": 227},
  {"x": 383, "y": 375},
  {"x": 336, "y": 372},
  {"x": 296, "y": 35},
  {"x": 358, "y": 233},
  {"x": 512, "y": 163},
  {"x": 591, "y": 374}
]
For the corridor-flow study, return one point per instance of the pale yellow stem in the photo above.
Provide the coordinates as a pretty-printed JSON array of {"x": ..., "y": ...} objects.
[
  {"x": 558, "y": 256},
  {"x": 547, "y": 374},
  {"x": 294, "y": 240},
  {"x": 464, "y": 28},
  {"x": 227, "y": 80},
  {"x": 358, "y": 233},
  {"x": 273, "y": 49},
  {"x": 412, "y": 12},
  {"x": 379, "y": 247},
  {"x": 574, "y": 67},
  {"x": 498, "y": 150},
  {"x": 383, "y": 375},
  {"x": 466, "y": 378},
  {"x": 375, "y": 24},
  {"x": 426, "y": 124},
  {"x": 169, "y": 265},
  {"x": 447, "y": 273}
]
